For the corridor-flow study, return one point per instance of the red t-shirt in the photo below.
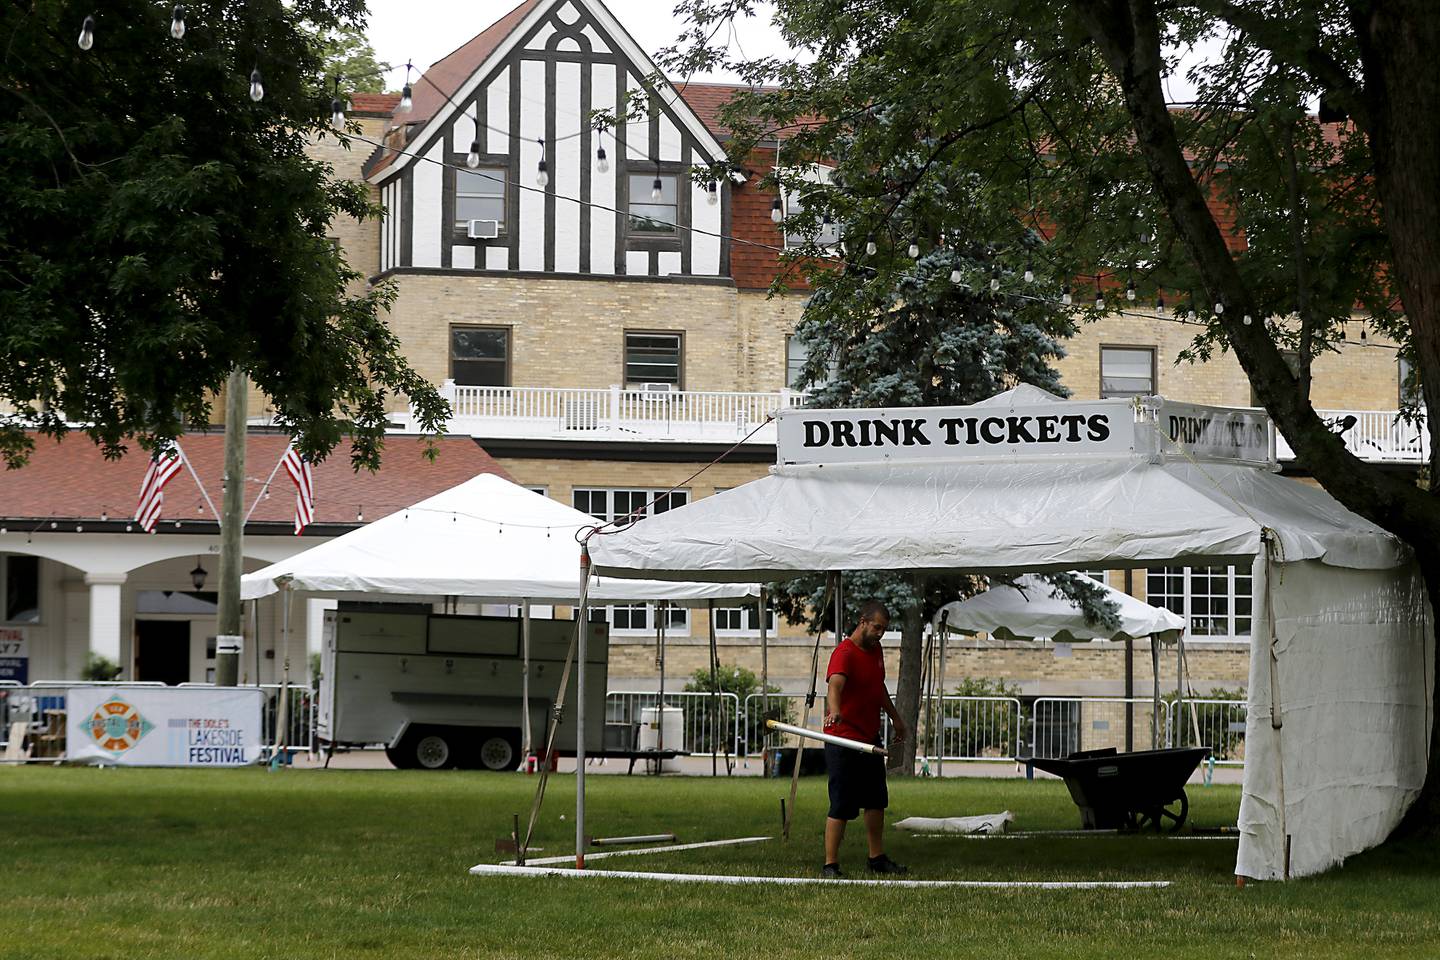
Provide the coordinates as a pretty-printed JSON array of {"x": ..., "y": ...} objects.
[{"x": 863, "y": 697}]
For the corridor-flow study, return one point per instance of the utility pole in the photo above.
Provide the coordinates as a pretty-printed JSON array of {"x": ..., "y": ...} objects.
[{"x": 228, "y": 638}]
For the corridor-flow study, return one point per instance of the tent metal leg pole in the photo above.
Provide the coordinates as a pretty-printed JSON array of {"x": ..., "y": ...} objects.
[
  {"x": 832, "y": 588},
  {"x": 660, "y": 698},
  {"x": 584, "y": 616},
  {"x": 940, "y": 695},
  {"x": 764, "y": 687},
  {"x": 1155, "y": 680},
  {"x": 525, "y": 744},
  {"x": 1177, "y": 730},
  {"x": 714, "y": 692}
]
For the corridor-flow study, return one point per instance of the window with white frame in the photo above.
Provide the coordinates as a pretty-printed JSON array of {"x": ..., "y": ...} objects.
[
  {"x": 1215, "y": 601},
  {"x": 825, "y": 232},
  {"x": 744, "y": 620},
  {"x": 796, "y": 355},
  {"x": 480, "y": 195},
  {"x": 1409, "y": 385},
  {"x": 19, "y": 588},
  {"x": 1127, "y": 372},
  {"x": 622, "y": 505}
]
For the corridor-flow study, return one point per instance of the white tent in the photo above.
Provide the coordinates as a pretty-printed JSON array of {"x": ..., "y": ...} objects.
[
  {"x": 1341, "y": 668},
  {"x": 485, "y": 539},
  {"x": 1030, "y": 609}
]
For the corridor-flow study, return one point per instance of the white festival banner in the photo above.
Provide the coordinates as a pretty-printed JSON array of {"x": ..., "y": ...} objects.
[
  {"x": 1069, "y": 429},
  {"x": 164, "y": 726}
]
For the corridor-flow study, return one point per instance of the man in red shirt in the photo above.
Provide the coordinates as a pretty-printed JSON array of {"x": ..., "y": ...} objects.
[{"x": 855, "y": 696}]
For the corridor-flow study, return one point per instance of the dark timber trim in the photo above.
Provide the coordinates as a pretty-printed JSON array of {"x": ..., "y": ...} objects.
[
  {"x": 407, "y": 217},
  {"x": 542, "y": 275},
  {"x": 652, "y": 451}
]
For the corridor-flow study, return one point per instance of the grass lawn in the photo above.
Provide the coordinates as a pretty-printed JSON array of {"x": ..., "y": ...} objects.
[{"x": 128, "y": 864}]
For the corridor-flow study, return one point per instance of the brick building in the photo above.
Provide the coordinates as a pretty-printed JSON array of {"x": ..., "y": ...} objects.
[{"x": 605, "y": 331}]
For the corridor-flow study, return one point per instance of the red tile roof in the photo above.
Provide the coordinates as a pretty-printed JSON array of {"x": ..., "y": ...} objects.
[
  {"x": 71, "y": 480},
  {"x": 450, "y": 72},
  {"x": 374, "y": 104},
  {"x": 706, "y": 99}
]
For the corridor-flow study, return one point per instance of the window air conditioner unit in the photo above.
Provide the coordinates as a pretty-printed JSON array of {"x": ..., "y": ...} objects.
[
  {"x": 657, "y": 391},
  {"x": 483, "y": 229}
]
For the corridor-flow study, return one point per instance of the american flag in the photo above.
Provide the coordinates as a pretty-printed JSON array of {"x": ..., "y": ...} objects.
[
  {"x": 304, "y": 479},
  {"x": 163, "y": 467}
]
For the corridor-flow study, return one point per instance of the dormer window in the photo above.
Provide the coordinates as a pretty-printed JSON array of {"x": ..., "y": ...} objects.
[
  {"x": 480, "y": 195},
  {"x": 649, "y": 214}
]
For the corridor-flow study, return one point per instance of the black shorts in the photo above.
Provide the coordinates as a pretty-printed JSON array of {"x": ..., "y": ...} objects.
[{"x": 857, "y": 782}]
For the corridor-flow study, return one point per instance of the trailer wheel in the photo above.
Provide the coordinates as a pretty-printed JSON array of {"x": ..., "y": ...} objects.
[
  {"x": 498, "y": 751},
  {"x": 400, "y": 756},
  {"x": 433, "y": 751}
]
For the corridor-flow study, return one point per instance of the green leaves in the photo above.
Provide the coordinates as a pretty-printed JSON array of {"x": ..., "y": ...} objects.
[{"x": 161, "y": 229}]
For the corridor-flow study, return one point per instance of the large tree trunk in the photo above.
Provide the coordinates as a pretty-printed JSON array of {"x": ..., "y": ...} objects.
[
  {"x": 1402, "y": 77},
  {"x": 901, "y": 761}
]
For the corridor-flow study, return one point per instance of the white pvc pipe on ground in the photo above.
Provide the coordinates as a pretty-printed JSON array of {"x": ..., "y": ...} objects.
[
  {"x": 668, "y": 848},
  {"x": 512, "y": 871},
  {"x": 845, "y": 742}
]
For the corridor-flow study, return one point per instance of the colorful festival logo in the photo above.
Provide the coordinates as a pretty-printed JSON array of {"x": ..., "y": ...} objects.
[{"x": 117, "y": 726}]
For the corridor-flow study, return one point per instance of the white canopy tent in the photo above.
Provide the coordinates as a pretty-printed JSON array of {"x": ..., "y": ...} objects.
[
  {"x": 1341, "y": 665},
  {"x": 486, "y": 539},
  {"x": 1030, "y": 609}
]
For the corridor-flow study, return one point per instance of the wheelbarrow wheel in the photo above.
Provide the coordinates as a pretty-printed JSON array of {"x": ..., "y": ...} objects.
[{"x": 1168, "y": 818}]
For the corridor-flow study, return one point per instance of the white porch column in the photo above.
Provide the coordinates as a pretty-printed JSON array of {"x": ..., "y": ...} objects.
[{"x": 105, "y": 614}]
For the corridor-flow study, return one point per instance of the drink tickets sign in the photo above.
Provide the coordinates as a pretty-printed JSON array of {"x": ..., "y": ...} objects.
[
  {"x": 1071, "y": 429},
  {"x": 955, "y": 433},
  {"x": 164, "y": 726}
]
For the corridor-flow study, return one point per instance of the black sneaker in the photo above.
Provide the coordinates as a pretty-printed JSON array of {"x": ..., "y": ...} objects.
[
  {"x": 883, "y": 864},
  {"x": 831, "y": 871}
]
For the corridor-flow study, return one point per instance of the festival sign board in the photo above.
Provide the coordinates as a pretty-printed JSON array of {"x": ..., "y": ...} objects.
[
  {"x": 14, "y": 655},
  {"x": 164, "y": 726},
  {"x": 1216, "y": 433},
  {"x": 910, "y": 434}
]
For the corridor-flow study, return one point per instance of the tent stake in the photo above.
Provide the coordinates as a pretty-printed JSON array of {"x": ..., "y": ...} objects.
[{"x": 580, "y": 710}]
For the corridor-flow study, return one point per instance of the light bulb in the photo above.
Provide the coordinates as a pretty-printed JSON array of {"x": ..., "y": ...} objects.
[
  {"x": 870, "y": 247},
  {"x": 712, "y": 197},
  {"x": 775, "y": 213},
  {"x": 1247, "y": 320},
  {"x": 1065, "y": 295},
  {"x": 337, "y": 114},
  {"x": 104, "y": 515},
  {"x": 602, "y": 162},
  {"x": 406, "y": 102},
  {"x": 177, "y": 22},
  {"x": 1191, "y": 315},
  {"x": 657, "y": 189},
  {"x": 257, "y": 89},
  {"x": 1029, "y": 273},
  {"x": 995, "y": 281},
  {"x": 1130, "y": 292},
  {"x": 1219, "y": 307},
  {"x": 1099, "y": 300},
  {"x": 955, "y": 276},
  {"x": 87, "y": 33},
  {"x": 542, "y": 177},
  {"x": 1160, "y": 307},
  {"x": 472, "y": 159},
  {"x": 914, "y": 250}
]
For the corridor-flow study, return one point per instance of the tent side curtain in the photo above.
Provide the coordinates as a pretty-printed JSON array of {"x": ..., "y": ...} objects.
[{"x": 1353, "y": 667}]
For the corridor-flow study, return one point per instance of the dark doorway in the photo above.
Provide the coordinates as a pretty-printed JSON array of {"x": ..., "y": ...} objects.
[{"x": 162, "y": 650}]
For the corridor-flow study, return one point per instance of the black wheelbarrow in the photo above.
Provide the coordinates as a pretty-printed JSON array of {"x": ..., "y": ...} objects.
[{"x": 1143, "y": 790}]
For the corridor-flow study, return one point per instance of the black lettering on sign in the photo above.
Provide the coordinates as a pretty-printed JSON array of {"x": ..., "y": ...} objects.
[
  {"x": 913, "y": 434},
  {"x": 1099, "y": 427},
  {"x": 887, "y": 430},
  {"x": 952, "y": 429},
  {"x": 864, "y": 425},
  {"x": 1073, "y": 422},
  {"x": 817, "y": 433},
  {"x": 998, "y": 436},
  {"x": 844, "y": 430},
  {"x": 1049, "y": 429},
  {"x": 1019, "y": 433}
]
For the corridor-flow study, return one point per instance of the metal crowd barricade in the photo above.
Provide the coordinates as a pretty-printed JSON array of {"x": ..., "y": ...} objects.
[
  {"x": 697, "y": 710},
  {"x": 971, "y": 728},
  {"x": 1059, "y": 726},
  {"x": 785, "y": 707},
  {"x": 1220, "y": 725}
]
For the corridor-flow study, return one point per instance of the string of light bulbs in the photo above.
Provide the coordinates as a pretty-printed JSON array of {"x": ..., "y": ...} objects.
[{"x": 474, "y": 160}]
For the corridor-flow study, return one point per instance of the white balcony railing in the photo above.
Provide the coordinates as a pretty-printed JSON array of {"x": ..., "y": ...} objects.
[
  {"x": 561, "y": 413},
  {"x": 1379, "y": 436}
]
